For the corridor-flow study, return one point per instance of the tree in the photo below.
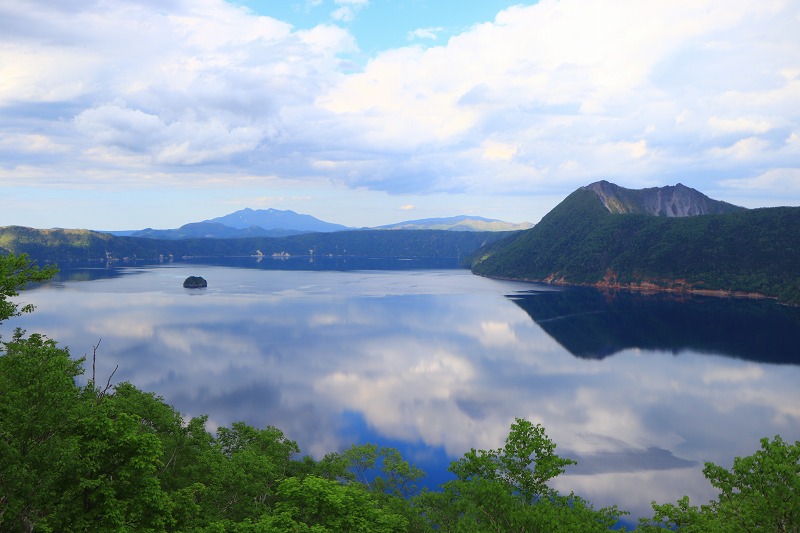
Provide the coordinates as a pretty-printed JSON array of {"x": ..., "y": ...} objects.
[
  {"x": 316, "y": 504},
  {"x": 16, "y": 272},
  {"x": 506, "y": 490},
  {"x": 761, "y": 492},
  {"x": 71, "y": 459},
  {"x": 525, "y": 464},
  {"x": 244, "y": 471},
  {"x": 38, "y": 417}
]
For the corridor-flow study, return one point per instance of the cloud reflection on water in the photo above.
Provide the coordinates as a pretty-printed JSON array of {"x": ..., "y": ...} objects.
[{"x": 437, "y": 358}]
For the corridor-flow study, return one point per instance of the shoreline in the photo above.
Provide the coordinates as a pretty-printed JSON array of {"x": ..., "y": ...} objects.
[{"x": 643, "y": 287}]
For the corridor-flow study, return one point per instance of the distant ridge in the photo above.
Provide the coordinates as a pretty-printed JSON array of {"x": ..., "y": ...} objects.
[
  {"x": 669, "y": 201},
  {"x": 272, "y": 219},
  {"x": 283, "y": 223},
  {"x": 666, "y": 238},
  {"x": 208, "y": 230},
  {"x": 241, "y": 224},
  {"x": 459, "y": 223}
]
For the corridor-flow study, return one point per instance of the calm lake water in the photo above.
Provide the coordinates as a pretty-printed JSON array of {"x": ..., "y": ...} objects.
[{"x": 640, "y": 390}]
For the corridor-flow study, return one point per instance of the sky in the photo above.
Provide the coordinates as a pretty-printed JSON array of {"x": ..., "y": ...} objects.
[{"x": 156, "y": 113}]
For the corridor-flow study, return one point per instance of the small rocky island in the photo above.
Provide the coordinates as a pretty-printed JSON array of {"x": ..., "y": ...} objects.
[{"x": 195, "y": 282}]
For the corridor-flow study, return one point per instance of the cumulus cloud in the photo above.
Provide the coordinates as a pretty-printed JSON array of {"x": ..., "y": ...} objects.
[
  {"x": 203, "y": 83},
  {"x": 596, "y": 87},
  {"x": 545, "y": 97}
]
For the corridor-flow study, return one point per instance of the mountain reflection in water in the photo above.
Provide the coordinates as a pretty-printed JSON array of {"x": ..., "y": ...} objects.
[{"x": 595, "y": 324}]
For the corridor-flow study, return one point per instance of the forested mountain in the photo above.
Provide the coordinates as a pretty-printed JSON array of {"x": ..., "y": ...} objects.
[
  {"x": 584, "y": 242},
  {"x": 85, "y": 245},
  {"x": 210, "y": 230}
]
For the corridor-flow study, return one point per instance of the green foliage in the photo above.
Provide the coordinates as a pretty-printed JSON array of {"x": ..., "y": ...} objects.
[
  {"x": 316, "y": 504},
  {"x": 580, "y": 242},
  {"x": 16, "y": 272},
  {"x": 38, "y": 421},
  {"x": 761, "y": 492},
  {"x": 525, "y": 464},
  {"x": 71, "y": 461},
  {"x": 506, "y": 490},
  {"x": 248, "y": 464}
]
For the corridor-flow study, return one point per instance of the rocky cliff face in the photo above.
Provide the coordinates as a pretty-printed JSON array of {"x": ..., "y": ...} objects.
[{"x": 670, "y": 201}]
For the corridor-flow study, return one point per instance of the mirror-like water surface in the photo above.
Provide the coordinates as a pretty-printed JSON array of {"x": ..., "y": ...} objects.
[{"x": 639, "y": 390}]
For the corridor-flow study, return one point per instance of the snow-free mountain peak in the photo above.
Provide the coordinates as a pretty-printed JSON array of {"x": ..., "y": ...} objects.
[
  {"x": 668, "y": 201},
  {"x": 459, "y": 223},
  {"x": 273, "y": 219}
]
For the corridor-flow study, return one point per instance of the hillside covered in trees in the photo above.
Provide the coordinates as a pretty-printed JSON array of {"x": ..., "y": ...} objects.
[
  {"x": 84, "y": 245},
  {"x": 584, "y": 242}
]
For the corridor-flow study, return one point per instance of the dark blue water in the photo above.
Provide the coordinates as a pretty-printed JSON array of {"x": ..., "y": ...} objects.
[{"x": 640, "y": 390}]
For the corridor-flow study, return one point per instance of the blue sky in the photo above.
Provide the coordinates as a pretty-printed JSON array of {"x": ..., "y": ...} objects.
[
  {"x": 145, "y": 113},
  {"x": 386, "y": 24}
]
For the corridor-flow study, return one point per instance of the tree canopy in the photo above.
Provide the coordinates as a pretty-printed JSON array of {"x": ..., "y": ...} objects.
[{"x": 16, "y": 272}]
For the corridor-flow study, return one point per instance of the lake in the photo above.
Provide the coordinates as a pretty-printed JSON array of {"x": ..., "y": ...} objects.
[{"x": 639, "y": 389}]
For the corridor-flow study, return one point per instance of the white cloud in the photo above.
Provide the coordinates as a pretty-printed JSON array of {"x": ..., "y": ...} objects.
[
  {"x": 498, "y": 151},
  {"x": 546, "y": 97},
  {"x": 431, "y": 33},
  {"x": 32, "y": 143},
  {"x": 344, "y": 14},
  {"x": 748, "y": 148},
  {"x": 348, "y": 9},
  {"x": 571, "y": 82},
  {"x": 784, "y": 180},
  {"x": 738, "y": 125}
]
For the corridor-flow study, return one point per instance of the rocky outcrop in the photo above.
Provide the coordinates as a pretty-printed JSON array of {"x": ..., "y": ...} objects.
[
  {"x": 195, "y": 282},
  {"x": 670, "y": 201}
]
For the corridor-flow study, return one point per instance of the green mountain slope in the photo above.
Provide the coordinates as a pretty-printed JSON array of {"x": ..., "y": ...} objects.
[
  {"x": 211, "y": 230},
  {"x": 581, "y": 242},
  {"x": 84, "y": 245}
]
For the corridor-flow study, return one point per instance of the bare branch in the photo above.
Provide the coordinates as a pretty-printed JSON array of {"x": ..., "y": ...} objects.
[
  {"x": 94, "y": 361},
  {"x": 108, "y": 385}
]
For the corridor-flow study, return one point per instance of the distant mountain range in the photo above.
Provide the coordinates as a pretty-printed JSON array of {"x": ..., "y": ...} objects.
[
  {"x": 672, "y": 238},
  {"x": 65, "y": 245},
  {"x": 278, "y": 223},
  {"x": 459, "y": 223},
  {"x": 275, "y": 219}
]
